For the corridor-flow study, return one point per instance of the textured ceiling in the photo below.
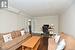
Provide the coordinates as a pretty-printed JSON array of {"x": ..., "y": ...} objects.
[{"x": 41, "y": 7}]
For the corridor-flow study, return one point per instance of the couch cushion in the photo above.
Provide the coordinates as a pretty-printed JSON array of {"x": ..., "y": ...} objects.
[
  {"x": 61, "y": 45},
  {"x": 70, "y": 41},
  {"x": 1, "y": 41},
  {"x": 17, "y": 33},
  {"x": 7, "y": 37},
  {"x": 1, "y": 38},
  {"x": 22, "y": 32},
  {"x": 51, "y": 44},
  {"x": 57, "y": 38},
  {"x": 13, "y": 34},
  {"x": 14, "y": 42}
]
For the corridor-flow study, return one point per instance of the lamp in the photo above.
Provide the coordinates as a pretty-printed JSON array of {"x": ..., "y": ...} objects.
[
  {"x": 29, "y": 21},
  {"x": 29, "y": 25}
]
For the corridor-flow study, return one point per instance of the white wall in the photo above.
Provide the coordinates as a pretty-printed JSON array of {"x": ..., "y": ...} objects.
[
  {"x": 11, "y": 21},
  {"x": 39, "y": 21},
  {"x": 67, "y": 21}
]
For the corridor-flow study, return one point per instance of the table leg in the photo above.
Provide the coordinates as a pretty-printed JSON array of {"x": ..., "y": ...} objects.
[
  {"x": 31, "y": 49},
  {"x": 23, "y": 48}
]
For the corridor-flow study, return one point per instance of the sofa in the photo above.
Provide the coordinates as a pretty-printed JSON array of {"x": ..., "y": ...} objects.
[
  {"x": 17, "y": 40},
  {"x": 69, "y": 41}
]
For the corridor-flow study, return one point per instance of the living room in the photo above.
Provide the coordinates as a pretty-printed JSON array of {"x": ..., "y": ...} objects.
[{"x": 16, "y": 18}]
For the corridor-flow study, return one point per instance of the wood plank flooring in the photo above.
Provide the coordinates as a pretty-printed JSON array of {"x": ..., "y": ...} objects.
[{"x": 44, "y": 44}]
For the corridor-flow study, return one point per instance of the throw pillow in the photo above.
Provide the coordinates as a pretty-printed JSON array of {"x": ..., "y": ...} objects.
[
  {"x": 18, "y": 33},
  {"x": 57, "y": 38},
  {"x": 7, "y": 37},
  {"x": 13, "y": 34},
  {"x": 61, "y": 45},
  {"x": 22, "y": 32}
]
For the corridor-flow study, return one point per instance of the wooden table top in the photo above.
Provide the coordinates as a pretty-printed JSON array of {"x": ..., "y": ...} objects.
[{"x": 31, "y": 42}]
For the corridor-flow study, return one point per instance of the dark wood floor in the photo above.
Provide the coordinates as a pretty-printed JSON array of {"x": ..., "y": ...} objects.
[{"x": 43, "y": 44}]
